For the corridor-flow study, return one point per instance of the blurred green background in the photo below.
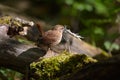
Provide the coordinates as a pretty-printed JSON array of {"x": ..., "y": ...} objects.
[{"x": 98, "y": 21}]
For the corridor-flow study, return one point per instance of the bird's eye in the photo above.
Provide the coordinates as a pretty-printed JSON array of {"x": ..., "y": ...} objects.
[{"x": 62, "y": 28}]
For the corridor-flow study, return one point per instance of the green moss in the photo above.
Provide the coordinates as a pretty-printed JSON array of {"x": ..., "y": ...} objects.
[
  {"x": 7, "y": 20},
  {"x": 15, "y": 21},
  {"x": 63, "y": 64},
  {"x": 104, "y": 55}
]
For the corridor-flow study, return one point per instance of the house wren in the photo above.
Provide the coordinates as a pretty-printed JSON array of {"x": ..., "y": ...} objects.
[{"x": 51, "y": 37}]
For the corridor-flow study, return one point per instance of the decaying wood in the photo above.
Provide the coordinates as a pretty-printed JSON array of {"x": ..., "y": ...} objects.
[
  {"x": 16, "y": 55},
  {"x": 105, "y": 70}
]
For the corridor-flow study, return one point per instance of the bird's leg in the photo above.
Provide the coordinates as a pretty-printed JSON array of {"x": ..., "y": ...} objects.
[
  {"x": 49, "y": 53},
  {"x": 49, "y": 49},
  {"x": 68, "y": 44}
]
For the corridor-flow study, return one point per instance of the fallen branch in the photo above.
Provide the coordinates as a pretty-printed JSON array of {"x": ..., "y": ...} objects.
[{"x": 18, "y": 56}]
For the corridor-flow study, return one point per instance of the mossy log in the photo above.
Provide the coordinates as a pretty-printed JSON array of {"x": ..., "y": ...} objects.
[
  {"x": 18, "y": 55},
  {"x": 62, "y": 65},
  {"x": 103, "y": 70}
]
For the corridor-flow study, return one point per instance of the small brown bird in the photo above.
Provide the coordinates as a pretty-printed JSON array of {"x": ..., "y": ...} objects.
[{"x": 51, "y": 37}]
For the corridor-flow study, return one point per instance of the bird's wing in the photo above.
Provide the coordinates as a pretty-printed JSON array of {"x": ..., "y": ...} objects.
[{"x": 50, "y": 36}]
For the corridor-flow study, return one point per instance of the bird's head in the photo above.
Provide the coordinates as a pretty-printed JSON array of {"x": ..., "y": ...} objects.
[{"x": 59, "y": 28}]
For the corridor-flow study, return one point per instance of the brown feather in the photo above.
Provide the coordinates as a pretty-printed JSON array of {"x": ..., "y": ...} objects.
[{"x": 40, "y": 28}]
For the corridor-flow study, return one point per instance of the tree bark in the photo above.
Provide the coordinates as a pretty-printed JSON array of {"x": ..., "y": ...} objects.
[
  {"x": 18, "y": 56},
  {"x": 104, "y": 70}
]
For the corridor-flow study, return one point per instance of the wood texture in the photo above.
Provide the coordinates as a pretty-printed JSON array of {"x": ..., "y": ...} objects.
[{"x": 16, "y": 55}]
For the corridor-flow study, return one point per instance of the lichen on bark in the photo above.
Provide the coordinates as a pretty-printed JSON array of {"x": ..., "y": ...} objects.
[
  {"x": 7, "y": 20},
  {"x": 16, "y": 21},
  {"x": 61, "y": 65}
]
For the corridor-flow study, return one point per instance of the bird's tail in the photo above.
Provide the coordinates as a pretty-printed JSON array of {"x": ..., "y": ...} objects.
[{"x": 40, "y": 28}]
